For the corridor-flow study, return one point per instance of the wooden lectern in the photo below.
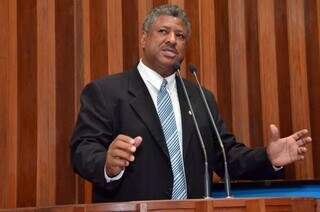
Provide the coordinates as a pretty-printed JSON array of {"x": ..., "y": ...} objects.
[{"x": 196, "y": 205}]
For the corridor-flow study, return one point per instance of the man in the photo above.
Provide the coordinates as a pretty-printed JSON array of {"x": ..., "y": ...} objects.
[{"x": 135, "y": 139}]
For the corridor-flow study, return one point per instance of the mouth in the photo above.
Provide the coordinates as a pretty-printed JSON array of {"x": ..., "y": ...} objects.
[{"x": 169, "y": 52}]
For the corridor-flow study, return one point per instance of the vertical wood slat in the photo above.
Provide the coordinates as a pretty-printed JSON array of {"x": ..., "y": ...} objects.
[
  {"x": 79, "y": 62},
  {"x": 27, "y": 102},
  {"x": 12, "y": 131},
  {"x": 268, "y": 67},
  {"x": 83, "y": 187},
  {"x": 298, "y": 79},
  {"x": 4, "y": 31},
  {"x": 223, "y": 61},
  {"x": 282, "y": 57},
  {"x": 192, "y": 8},
  {"x": 46, "y": 104},
  {"x": 4, "y": 166},
  {"x": 207, "y": 45},
  {"x": 4, "y": 119},
  {"x": 98, "y": 38},
  {"x": 86, "y": 41},
  {"x": 114, "y": 36},
  {"x": 253, "y": 78},
  {"x": 239, "y": 78},
  {"x": 65, "y": 101},
  {"x": 316, "y": 102},
  {"x": 131, "y": 31},
  {"x": 143, "y": 7},
  {"x": 312, "y": 20},
  {"x": 7, "y": 185}
]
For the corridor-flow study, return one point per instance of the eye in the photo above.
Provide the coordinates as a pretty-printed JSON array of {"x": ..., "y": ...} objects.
[
  {"x": 180, "y": 36},
  {"x": 163, "y": 31}
]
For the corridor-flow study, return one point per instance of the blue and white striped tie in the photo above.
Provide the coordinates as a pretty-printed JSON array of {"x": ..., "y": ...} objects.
[{"x": 169, "y": 127}]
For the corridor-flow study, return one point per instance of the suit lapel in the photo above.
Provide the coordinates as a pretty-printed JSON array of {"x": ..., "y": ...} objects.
[
  {"x": 186, "y": 118},
  {"x": 143, "y": 105}
]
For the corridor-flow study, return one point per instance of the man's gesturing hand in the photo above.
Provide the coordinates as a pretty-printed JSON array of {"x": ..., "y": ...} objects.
[
  {"x": 282, "y": 151},
  {"x": 121, "y": 153}
]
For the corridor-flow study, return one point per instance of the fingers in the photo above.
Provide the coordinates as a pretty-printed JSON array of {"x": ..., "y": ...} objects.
[
  {"x": 120, "y": 153},
  {"x": 124, "y": 155},
  {"x": 304, "y": 141},
  {"x": 302, "y": 150},
  {"x": 300, "y": 134},
  {"x": 274, "y": 133},
  {"x": 126, "y": 143},
  {"x": 118, "y": 162}
]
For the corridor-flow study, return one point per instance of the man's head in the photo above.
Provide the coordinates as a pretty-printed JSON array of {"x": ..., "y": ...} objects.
[{"x": 166, "y": 31}]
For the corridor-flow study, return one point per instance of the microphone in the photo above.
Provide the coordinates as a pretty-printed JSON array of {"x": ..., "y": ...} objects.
[
  {"x": 193, "y": 70},
  {"x": 176, "y": 67}
]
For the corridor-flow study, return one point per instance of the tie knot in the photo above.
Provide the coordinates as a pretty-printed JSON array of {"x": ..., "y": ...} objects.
[{"x": 164, "y": 83}]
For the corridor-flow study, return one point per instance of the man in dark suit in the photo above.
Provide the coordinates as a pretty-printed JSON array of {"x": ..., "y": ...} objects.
[{"x": 122, "y": 141}]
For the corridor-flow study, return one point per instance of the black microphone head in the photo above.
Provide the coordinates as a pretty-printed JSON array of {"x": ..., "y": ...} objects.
[
  {"x": 176, "y": 66},
  {"x": 192, "y": 68}
]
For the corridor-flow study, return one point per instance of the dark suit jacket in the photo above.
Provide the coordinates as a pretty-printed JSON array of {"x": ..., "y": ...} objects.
[{"x": 121, "y": 104}]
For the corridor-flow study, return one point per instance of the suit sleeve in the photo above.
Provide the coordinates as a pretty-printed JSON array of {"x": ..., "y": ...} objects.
[
  {"x": 243, "y": 162},
  {"x": 92, "y": 135}
]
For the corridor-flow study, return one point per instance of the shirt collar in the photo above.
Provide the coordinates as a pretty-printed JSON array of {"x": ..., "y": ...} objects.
[{"x": 155, "y": 79}]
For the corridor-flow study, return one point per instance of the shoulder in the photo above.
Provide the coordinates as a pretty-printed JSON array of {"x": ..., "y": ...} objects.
[{"x": 113, "y": 80}]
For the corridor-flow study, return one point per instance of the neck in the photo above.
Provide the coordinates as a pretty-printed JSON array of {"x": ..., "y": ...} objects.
[{"x": 163, "y": 71}]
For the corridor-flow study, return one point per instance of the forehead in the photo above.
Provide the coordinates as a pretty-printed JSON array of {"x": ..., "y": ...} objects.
[{"x": 170, "y": 22}]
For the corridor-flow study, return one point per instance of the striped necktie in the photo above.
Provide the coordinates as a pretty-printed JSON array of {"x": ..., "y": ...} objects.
[{"x": 170, "y": 131}]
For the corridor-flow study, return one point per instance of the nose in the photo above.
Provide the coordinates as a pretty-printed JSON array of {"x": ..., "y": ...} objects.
[{"x": 172, "y": 38}]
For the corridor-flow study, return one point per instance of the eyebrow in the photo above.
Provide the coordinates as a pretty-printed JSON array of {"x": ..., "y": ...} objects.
[{"x": 178, "y": 30}]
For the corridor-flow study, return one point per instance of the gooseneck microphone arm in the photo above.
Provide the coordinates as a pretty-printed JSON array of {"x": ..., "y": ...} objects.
[
  {"x": 206, "y": 174},
  {"x": 193, "y": 70}
]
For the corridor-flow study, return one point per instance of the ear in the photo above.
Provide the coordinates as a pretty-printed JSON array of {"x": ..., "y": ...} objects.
[{"x": 143, "y": 39}]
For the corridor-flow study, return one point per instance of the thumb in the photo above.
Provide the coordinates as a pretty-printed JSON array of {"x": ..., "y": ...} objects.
[
  {"x": 137, "y": 141},
  {"x": 274, "y": 133}
]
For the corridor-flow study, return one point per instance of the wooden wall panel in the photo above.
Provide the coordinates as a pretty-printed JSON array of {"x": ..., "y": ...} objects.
[
  {"x": 3, "y": 131},
  {"x": 298, "y": 80},
  {"x": 64, "y": 88},
  {"x": 238, "y": 64},
  {"x": 282, "y": 55},
  {"x": 12, "y": 106},
  {"x": 282, "y": 58},
  {"x": 223, "y": 60},
  {"x": 193, "y": 52},
  {"x": 252, "y": 17},
  {"x": 27, "y": 102},
  {"x": 98, "y": 38},
  {"x": 268, "y": 68},
  {"x": 130, "y": 11},
  {"x": 4, "y": 34},
  {"x": 46, "y": 140},
  {"x": 114, "y": 29},
  {"x": 81, "y": 51},
  {"x": 312, "y": 19},
  {"x": 259, "y": 57},
  {"x": 207, "y": 45},
  {"x": 143, "y": 7}
]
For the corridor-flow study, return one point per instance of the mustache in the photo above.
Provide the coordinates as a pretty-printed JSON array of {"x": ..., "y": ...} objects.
[{"x": 170, "y": 48}]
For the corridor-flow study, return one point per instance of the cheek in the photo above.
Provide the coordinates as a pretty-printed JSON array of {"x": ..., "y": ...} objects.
[{"x": 181, "y": 48}]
